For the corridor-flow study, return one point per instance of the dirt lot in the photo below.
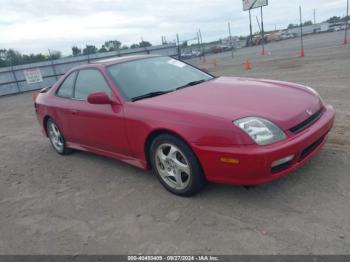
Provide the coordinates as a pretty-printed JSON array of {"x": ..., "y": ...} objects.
[{"x": 87, "y": 204}]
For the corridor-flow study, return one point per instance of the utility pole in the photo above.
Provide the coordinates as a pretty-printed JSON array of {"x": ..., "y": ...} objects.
[
  {"x": 302, "y": 53},
  {"x": 203, "y": 47},
  {"x": 230, "y": 37},
  {"x": 262, "y": 32},
  {"x": 52, "y": 65},
  {"x": 314, "y": 15},
  {"x": 88, "y": 54},
  {"x": 199, "y": 46},
  {"x": 251, "y": 30},
  {"x": 14, "y": 76},
  {"x": 346, "y": 24},
  {"x": 178, "y": 47}
]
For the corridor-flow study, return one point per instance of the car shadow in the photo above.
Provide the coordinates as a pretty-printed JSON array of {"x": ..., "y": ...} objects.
[{"x": 288, "y": 188}]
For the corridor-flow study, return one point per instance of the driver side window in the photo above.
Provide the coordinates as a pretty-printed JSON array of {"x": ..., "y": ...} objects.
[{"x": 90, "y": 81}]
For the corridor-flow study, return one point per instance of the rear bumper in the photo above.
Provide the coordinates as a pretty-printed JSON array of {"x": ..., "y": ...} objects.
[{"x": 255, "y": 162}]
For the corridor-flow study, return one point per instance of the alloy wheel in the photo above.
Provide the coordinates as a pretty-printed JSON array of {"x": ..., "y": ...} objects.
[
  {"x": 55, "y": 137},
  {"x": 172, "y": 166}
]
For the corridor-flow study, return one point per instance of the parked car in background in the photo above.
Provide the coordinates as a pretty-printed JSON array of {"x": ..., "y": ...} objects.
[
  {"x": 187, "y": 55},
  {"x": 286, "y": 35},
  {"x": 220, "y": 48},
  {"x": 337, "y": 27},
  {"x": 187, "y": 125},
  {"x": 190, "y": 54}
]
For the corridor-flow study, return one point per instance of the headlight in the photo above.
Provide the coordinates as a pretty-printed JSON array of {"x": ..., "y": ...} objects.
[{"x": 262, "y": 131}]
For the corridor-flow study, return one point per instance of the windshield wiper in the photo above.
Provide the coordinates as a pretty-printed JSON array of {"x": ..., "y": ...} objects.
[
  {"x": 158, "y": 93},
  {"x": 151, "y": 94},
  {"x": 192, "y": 83}
]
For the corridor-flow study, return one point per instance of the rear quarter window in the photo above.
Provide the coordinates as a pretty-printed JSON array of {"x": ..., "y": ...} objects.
[{"x": 66, "y": 88}]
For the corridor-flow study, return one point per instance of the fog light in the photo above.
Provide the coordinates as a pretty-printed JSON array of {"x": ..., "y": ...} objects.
[{"x": 282, "y": 161}]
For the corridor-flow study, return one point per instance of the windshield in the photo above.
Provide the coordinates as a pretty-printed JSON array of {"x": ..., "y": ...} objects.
[{"x": 157, "y": 74}]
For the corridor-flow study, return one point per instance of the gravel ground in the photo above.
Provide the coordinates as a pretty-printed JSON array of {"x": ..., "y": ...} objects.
[{"x": 88, "y": 204}]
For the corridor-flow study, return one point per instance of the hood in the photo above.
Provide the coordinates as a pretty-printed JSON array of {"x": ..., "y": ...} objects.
[{"x": 285, "y": 104}]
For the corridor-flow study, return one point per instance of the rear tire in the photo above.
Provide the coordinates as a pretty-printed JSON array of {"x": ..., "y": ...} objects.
[
  {"x": 56, "y": 138},
  {"x": 176, "y": 166}
]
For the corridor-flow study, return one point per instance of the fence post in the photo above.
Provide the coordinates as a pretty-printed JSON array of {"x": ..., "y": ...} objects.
[
  {"x": 15, "y": 78},
  {"x": 178, "y": 47},
  {"x": 230, "y": 37},
  {"x": 53, "y": 66},
  {"x": 262, "y": 32},
  {"x": 203, "y": 46},
  {"x": 346, "y": 24},
  {"x": 302, "y": 52}
]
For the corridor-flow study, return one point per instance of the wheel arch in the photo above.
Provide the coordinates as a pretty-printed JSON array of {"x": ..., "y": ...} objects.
[
  {"x": 157, "y": 132},
  {"x": 45, "y": 119}
]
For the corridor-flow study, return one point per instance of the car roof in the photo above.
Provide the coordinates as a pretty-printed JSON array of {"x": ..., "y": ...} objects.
[{"x": 118, "y": 60}]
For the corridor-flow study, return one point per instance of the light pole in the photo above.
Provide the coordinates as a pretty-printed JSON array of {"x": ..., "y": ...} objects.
[
  {"x": 230, "y": 38},
  {"x": 346, "y": 24},
  {"x": 302, "y": 53},
  {"x": 262, "y": 32},
  {"x": 250, "y": 43}
]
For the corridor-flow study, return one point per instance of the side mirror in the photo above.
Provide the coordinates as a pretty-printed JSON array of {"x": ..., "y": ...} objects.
[
  {"x": 204, "y": 69},
  {"x": 100, "y": 98}
]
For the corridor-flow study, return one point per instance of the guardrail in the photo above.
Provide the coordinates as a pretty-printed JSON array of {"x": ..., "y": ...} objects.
[{"x": 15, "y": 79}]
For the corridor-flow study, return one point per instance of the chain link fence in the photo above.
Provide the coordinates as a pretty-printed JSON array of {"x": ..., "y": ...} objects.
[{"x": 21, "y": 78}]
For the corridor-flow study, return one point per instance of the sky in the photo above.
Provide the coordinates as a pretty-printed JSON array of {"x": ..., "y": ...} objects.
[{"x": 34, "y": 26}]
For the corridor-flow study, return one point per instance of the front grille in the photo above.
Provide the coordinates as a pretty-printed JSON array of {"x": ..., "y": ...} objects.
[
  {"x": 308, "y": 150},
  {"x": 308, "y": 122}
]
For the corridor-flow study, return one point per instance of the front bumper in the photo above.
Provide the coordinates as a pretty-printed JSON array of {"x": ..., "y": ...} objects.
[{"x": 255, "y": 162}]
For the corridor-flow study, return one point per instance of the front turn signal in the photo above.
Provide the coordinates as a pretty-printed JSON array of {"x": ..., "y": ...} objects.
[{"x": 227, "y": 160}]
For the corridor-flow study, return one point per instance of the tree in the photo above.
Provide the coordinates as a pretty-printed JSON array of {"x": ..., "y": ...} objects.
[
  {"x": 3, "y": 57},
  {"x": 76, "y": 51},
  {"x": 306, "y": 23},
  {"x": 184, "y": 44},
  {"x": 291, "y": 26},
  {"x": 90, "y": 49},
  {"x": 135, "y": 46},
  {"x": 13, "y": 57},
  {"x": 334, "y": 19},
  {"x": 2, "y": 53},
  {"x": 124, "y": 47},
  {"x": 346, "y": 18},
  {"x": 103, "y": 49},
  {"x": 112, "y": 45},
  {"x": 3, "y": 63},
  {"x": 145, "y": 44},
  {"x": 55, "y": 55}
]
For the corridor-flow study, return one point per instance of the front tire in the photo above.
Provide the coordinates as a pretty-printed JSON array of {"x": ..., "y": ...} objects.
[
  {"x": 56, "y": 138},
  {"x": 176, "y": 166}
]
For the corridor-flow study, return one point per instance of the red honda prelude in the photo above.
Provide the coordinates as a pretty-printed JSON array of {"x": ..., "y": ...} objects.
[{"x": 185, "y": 124}]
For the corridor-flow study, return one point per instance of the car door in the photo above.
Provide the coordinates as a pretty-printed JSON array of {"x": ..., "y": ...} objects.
[
  {"x": 63, "y": 103},
  {"x": 98, "y": 126}
]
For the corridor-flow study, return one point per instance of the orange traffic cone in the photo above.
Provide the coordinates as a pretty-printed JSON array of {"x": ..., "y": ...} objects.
[
  {"x": 302, "y": 52},
  {"x": 215, "y": 62},
  {"x": 248, "y": 65},
  {"x": 34, "y": 95}
]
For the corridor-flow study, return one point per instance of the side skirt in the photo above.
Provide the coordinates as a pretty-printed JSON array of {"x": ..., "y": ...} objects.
[{"x": 124, "y": 158}]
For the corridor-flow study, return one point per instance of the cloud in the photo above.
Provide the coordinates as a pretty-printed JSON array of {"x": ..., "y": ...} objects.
[{"x": 36, "y": 25}]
